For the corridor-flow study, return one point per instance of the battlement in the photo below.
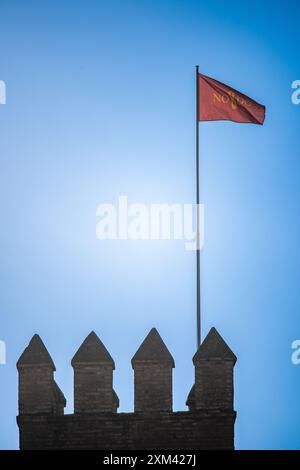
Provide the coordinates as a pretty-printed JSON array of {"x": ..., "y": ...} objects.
[{"x": 95, "y": 423}]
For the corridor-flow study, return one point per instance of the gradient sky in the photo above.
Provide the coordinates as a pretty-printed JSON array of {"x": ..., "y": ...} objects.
[{"x": 100, "y": 103}]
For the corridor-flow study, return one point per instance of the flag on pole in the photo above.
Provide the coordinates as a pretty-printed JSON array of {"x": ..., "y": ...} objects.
[{"x": 219, "y": 102}]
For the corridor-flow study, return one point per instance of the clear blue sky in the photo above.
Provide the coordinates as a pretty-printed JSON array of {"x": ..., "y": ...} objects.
[{"x": 100, "y": 103}]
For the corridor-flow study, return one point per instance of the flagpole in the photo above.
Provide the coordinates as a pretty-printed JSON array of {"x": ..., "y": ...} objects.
[{"x": 198, "y": 307}]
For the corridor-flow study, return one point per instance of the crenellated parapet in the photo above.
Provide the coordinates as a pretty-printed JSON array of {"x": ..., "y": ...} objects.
[{"x": 95, "y": 424}]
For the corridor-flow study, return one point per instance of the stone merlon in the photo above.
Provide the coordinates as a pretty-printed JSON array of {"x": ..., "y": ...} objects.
[
  {"x": 93, "y": 377},
  {"x": 38, "y": 391},
  {"x": 214, "y": 362},
  {"x": 153, "y": 364}
]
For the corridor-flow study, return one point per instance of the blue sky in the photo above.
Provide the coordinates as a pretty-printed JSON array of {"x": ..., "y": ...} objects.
[{"x": 100, "y": 103}]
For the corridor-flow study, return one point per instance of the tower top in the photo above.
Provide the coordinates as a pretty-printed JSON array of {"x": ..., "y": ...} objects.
[
  {"x": 92, "y": 350},
  {"x": 35, "y": 354},
  {"x": 153, "y": 349},
  {"x": 214, "y": 347}
]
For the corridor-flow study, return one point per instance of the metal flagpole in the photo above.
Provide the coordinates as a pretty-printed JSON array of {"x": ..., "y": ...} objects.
[{"x": 198, "y": 308}]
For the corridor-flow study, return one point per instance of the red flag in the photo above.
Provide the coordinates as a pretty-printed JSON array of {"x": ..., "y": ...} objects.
[{"x": 220, "y": 102}]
